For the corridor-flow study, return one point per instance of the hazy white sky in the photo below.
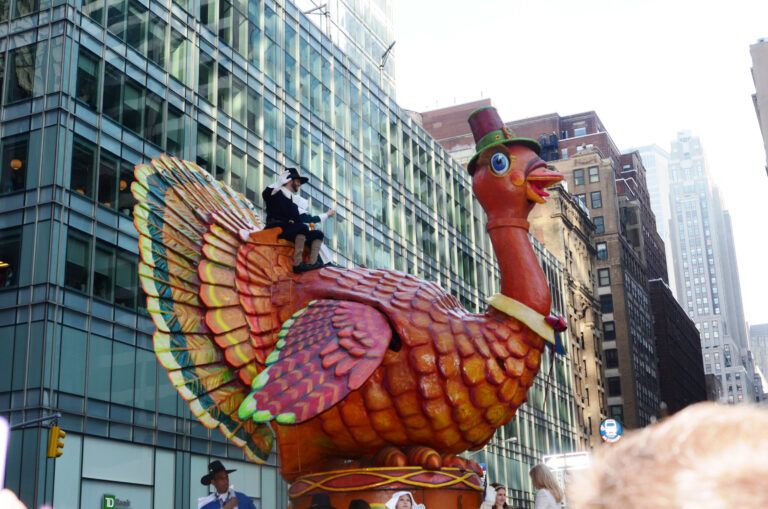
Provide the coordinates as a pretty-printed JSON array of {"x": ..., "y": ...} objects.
[{"x": 649, "y": 68}]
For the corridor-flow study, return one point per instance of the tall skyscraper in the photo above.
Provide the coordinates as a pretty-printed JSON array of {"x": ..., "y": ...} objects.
[
  {"x": 759, "y": 52},
  {"x": 656, "y": 163},
  {"x": 243, "y": 88},
  {"x": 706, "y": 273}
]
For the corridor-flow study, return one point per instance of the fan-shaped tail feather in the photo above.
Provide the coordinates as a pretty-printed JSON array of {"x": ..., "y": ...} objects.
[{"x": 189, "y": 227}]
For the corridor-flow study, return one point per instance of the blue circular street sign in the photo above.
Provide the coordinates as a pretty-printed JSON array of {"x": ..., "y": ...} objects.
[{"x": 610, "y": 430}]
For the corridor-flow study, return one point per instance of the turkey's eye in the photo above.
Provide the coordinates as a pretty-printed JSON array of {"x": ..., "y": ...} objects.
[{"x": 499, "y": 163}]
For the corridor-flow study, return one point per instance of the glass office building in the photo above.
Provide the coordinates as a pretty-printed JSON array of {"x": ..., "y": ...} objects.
[{"x": 89, "y": 89}]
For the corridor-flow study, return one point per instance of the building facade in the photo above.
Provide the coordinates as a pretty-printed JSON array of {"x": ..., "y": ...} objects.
[
  {"x": 681, "y": 368},
  {"x": 90, "y": 89},
  {"x": 563, "y": 225},
  {"x": 706, "y": 273},
  {"x": 758, "y": 342},
  {"x": 759, "y": 52}
]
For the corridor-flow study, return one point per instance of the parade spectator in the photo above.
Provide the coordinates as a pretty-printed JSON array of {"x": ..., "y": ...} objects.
[
  {"x": 549, "y": 494},
  {"x": 495, "y": 497},
  {"x": 224, "y": 495},
  {"x": 707, "y": 456}
]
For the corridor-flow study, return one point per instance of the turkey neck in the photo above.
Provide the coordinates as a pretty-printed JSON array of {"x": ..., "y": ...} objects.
[{"x": 522, "y": 277}]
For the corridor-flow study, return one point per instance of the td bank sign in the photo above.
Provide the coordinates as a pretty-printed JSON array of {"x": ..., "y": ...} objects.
[{"x": 112, "y": 502}]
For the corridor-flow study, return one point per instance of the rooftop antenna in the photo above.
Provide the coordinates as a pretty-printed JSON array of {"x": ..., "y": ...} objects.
[
  {"x": 383, "y": 61},
  {"x": 323, "y": 11}
]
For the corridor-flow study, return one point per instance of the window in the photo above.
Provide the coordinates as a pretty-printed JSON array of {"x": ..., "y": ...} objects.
[
  {"x": 603, "y": 277},
  {"x": 25, "y": 72},
  {"x": 174, "y": 139},
  {"x": 156, "y": 40},
  {"x": 153, "y": 118},
  {"x": 103, "y": 272},
  {"x": 78, "y": 263},
  {"x": 14, "y": 157},
  {"x": 609, "y": 331},
  {"x": 94, "y": 9},
  {"x": 108, "y": 170},
  {"x": 602, "y": 251},
  {"x": 205, "y": 149},
  {"x": 205, "y": 84},
  {"x": 223, "y": 88},
  {"x": 88, "y": 78},
  {"x": 616, "y": 412},
  {"x": 83, "y": 167},
  {"x": 254, "y": 110},
  {"x": 599, "y": 224},
  {"x": 24, "y": 7},
  {"x": 582, "y": 198},
  {"x": 578, "y": 177},
  {"x": 178, "y": 64},
  {"x": 597, "y": 199},
  {"x": 606, "y": 303},
  {"x": 614, "y": 386},
  {"x": 611, "y": 358},
  {"x": 594, "y": 174},
  {"x": 10, "y": 254},
  {"x": 580, "y": 131},
  {"x": 113, "y": 87}
]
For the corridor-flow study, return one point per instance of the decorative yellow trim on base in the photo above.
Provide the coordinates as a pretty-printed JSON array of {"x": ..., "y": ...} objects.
[{"x": 516, "y": 309}]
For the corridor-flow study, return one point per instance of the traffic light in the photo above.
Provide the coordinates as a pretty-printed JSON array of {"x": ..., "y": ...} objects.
[{"x": 56, "y": 442}]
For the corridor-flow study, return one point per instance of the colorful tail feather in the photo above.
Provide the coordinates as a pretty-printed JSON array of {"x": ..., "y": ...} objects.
[{"x": 189, "y": 228}]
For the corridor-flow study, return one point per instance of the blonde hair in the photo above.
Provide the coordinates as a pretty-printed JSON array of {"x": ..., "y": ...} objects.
[
  {"x": 706, "y": 456},
  {"x": 542, "y": 477}
]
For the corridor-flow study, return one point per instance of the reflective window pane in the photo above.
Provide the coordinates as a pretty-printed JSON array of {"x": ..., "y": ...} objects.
[
  {"x": 178, "y": 67},
  {"x": 83, "y": 167},
  {"x": 156, "y": 40},
  {"x": 133, "y": 99},
  {"x": 205, "y": 85},
  {"x": 25, "y": 72},
  {"x": 108, "y": 169},
  {"x": 125, "y": 199},
  {"x": 77, "y": 267},
  {"x": 14, "y": 158},
  {"x": 153, "y": 118},
  {"x": 88, "y": 78},
  {"x": 126, "y": 280},
  {"x": 10, "y": 252},
  {"x": 174, "y": 141},
  {"x": 113, "y": 87},
  {"x": 103, "y": 271}
]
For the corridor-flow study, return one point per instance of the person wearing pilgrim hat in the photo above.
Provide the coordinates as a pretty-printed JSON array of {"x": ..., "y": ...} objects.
[
  {"x": 224, "y": 495},
  {"x": 287, "y": 210}
]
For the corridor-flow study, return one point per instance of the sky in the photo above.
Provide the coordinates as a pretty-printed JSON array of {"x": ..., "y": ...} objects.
[{"x": 649, "y": 69}]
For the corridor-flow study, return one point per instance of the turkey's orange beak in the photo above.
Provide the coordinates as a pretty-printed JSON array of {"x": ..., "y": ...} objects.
[{"x": 538, "y": 178}]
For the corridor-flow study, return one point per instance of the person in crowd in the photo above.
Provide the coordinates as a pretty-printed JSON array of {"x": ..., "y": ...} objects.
[
  {"x": 287, "y": 210},
  {"x": 707, "y": 456},
  {"x": 320, "y": 501},
  {"x": 403, "y": 500},
  {"x": 549, "y": 494},
  {"x": 495, "y": 497},
  {"x": 359, "y": 504},
  {"x": 224, "y": 495}
]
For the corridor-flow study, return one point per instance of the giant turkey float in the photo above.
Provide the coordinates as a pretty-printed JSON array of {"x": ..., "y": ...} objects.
[{"x": 371, "y": 381}]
